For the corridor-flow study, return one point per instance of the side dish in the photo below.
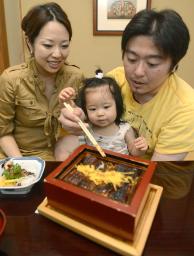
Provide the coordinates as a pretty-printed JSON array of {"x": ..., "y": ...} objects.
[{"x": 14, "y": 175}]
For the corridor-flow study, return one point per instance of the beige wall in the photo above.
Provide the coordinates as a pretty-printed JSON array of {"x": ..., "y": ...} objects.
[
  {"x": 88, "y": 51},
  {"x": 14, "y": 34}
]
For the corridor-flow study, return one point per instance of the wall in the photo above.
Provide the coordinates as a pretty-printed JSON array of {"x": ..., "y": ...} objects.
[
  {"x": 4, "y": 60},
  {"x": 14, "y": 34},
  {"x": 88, "y": 51}
]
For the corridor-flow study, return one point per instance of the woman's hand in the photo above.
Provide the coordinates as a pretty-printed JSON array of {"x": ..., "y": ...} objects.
[
  {"x": 70, "y": 120},
  {"x": 9, "y": 146}
]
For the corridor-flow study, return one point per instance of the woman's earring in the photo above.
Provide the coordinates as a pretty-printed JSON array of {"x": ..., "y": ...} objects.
[
  {"x": 29, "y": 46},
  {"x": 31, "y": 52}
]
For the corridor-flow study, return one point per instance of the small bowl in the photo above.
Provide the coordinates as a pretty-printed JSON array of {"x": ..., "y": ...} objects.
[
  {"x": 3, "y": 222},
  {"x": 32, "y": 164}
]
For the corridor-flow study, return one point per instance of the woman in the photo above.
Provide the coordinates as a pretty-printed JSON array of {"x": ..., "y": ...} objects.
[
  {"x": 29, "y": 92},
  {"x": 159, "y": 104}
]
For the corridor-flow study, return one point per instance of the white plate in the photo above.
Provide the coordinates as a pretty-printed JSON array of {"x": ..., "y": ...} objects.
[{"x": 32, "y": 164}]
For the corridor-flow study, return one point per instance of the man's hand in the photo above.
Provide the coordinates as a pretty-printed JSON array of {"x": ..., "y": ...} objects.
[{"x": 70, "y": 120}]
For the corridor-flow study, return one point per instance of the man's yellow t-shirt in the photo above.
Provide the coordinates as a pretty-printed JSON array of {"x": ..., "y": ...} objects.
[{"x": 167, "y": 120}]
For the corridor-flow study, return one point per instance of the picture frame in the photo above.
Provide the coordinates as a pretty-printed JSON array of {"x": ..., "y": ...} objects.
[{"x": 110, "y": 17}]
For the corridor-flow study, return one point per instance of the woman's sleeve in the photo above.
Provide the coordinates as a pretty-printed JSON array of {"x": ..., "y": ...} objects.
[{"x": 7, "y": 105}]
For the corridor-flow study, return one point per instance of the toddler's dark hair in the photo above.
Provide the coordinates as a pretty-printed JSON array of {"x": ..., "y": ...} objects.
[{"x": 99, "y": 82}]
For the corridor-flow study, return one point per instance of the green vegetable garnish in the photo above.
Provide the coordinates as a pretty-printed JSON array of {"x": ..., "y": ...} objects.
[{"x": 14, "y": 172}]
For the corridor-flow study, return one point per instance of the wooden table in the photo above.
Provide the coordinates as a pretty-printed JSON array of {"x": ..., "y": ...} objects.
[{"x": 172, "y": 232}]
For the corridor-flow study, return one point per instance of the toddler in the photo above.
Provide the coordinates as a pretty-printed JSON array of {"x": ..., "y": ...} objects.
[{"x": 101, "y": 100}]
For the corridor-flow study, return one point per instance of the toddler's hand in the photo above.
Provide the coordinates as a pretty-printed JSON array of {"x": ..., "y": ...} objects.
[
  {"x": 141, "y": 143},
  {"x": 66, "y": 94}
]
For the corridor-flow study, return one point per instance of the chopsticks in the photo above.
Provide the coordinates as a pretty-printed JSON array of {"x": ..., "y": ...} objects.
[{"x": 87, "y": 132}]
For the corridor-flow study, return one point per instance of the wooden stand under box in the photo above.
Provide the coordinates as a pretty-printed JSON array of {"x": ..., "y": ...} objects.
[{"x": 121, "y": 246}]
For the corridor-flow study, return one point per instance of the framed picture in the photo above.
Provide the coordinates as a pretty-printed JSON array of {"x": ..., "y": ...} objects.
[{"x": 110, "y": 17}]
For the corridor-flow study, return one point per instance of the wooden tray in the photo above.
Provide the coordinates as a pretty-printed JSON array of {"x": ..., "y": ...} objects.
[{"x": 123, "y": 247}]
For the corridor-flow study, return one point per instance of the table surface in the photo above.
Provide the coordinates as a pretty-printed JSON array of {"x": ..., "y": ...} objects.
[{"x": 172, "y": 231}]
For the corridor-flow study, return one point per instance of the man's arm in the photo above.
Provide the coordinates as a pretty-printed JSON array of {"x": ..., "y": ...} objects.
[{"x": 168, "y": 157}]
